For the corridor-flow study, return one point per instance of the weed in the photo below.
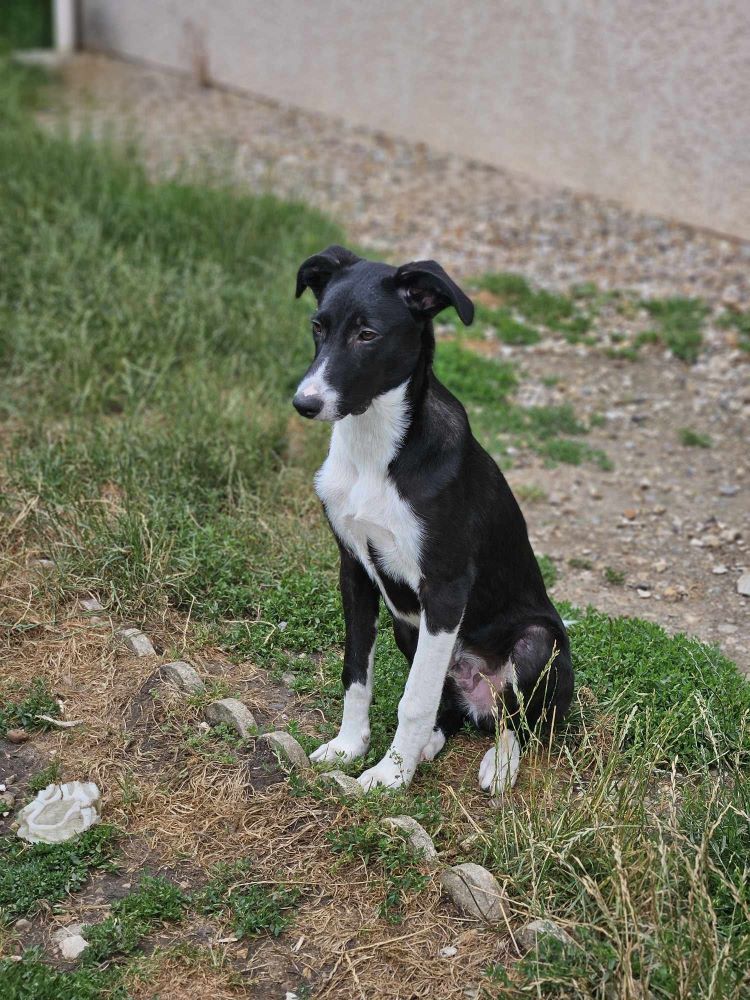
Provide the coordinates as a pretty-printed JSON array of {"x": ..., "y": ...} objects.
[
  {"x": 694, "y": 439},
  {"x": 154, "y": 902},
  {"x": 680, "y": 325},
  {"x": 391, "y": 855},
  {"x": 252, "y": 907},
  {"x": 217, "y": 744},
  {"x": 548, "y": 570},
  {"x": 47, "y": 776},
  {"x": 613, "y": 576},
  {"x": 26, "y": 713},
  {"x": 530, "y": 493},
  {"x": 31, "y": 874},
  {"x": 556, "y": 312},
  {"x": 30, "y": 978},
  {"x": 576, "y": 562}
]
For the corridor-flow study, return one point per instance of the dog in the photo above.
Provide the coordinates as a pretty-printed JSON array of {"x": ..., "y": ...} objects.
[{"x": 425, "y": 521}]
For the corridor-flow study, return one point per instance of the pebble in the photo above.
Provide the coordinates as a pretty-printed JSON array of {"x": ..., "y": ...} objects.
[
  {"x": 286, "y": 745},
  {"x": 726, "y": 628},
  {"x": 643, "y": 593},
  {"x": 448, "y": 952},
  {"x": 719, "y": 569},
  {"x": 529, "y": 934},
  {"x": 630, "y": 514},
  {"x": 729, "y": 490},
  {"x": 417, "y": 836},
  {"x": 345, "y": 784},
  {"x": 661, "y": 565},
  {"x": 474, "y": 891},
  {"x": 7, "y": 802},
  {"x": 743, "y": 585},
  {"x": 135, "y": 641},
  {"x": 233, "y": 713},
  {"x": 91, "y": 604},
  {"x": 22, "y": 925},
  {"x": 183, "y": 676},
  {"x": 70, "y": 941},
  {"x": 17, "y": 736}
]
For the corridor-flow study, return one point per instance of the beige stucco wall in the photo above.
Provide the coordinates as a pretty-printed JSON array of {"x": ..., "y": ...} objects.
[{"x": 644, "y": 101}]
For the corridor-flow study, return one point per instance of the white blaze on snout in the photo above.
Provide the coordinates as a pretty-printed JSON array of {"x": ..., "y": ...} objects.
[{"x": 315, "y": 384}]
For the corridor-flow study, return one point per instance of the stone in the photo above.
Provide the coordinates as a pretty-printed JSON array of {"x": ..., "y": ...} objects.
[
  {"x": 60, "y": 812},
  {"x": 7, "y": 802},
  {"x": 743, "y": 585},
  {"x": 448, "y": 952},
  {"x": 417, "y": 836},
  {"x": 643, "y": 592},
  {"x": 719, "y": 570},
  {"x": 343, "y": 783},
  {"x": 286, "y": 745},
  {"x": 17, "y": 735},
  {"x": 630, "y": 514},
  {"x": 22, "y": 925},
  {"x": 135, "y": 642},
  {"x": 91, "y": 604},
  {"x": 474, "y": 891},
  {"x": 230, "y": 712},
  {"x": 529, "y": 935},
  {"x": 729, "y": 490},
  {"x": 183, "y": 676},
  {"x": 70, "y": 941}
]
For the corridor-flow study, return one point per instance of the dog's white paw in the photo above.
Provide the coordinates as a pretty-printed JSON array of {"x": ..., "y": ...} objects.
[
  {"x": 434, "y": 745},
  {"x": 499, "y": 768},
  {"x": 338, "y": 751},
  {"x": 388, "y": 773}
]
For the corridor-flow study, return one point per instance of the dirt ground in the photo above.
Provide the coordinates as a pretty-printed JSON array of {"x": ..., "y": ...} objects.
[{"x": 674, "y": 521}]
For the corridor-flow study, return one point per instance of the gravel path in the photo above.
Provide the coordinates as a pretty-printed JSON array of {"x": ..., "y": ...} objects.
[{"x": 674, "y": 521}]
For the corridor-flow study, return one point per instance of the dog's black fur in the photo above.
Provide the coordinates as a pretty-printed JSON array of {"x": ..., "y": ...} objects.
[{"x": 373, "y": 327}]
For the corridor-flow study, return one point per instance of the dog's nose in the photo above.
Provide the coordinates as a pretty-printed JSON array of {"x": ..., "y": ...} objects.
[{"x": 308, "y": 406}]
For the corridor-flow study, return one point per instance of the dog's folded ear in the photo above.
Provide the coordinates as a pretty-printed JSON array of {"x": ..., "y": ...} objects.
[
  {"x": 427, "y": 290},
  {"x": 317, "y": 271}
]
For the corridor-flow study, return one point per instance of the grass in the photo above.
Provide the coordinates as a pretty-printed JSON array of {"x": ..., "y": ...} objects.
[
  {"x": 156, "y": 901},
  {"x": 615, "y": 577},
  {"x": 679, "y": 325},
  {"x": 690, "y": 438},
  {"x": 250, "y": 908},
  {"x": 34, "y": 873},
  {"x": 739, "y": 321},
  {"x": 148, "y": 346},
  {"x": 25, "y": 714}
]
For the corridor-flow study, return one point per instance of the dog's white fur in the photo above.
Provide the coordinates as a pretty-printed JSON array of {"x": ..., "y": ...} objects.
[{"x": 363, "y": 506}]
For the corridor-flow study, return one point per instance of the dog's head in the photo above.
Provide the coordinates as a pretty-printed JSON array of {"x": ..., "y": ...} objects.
[{"x": 371, "y": 328}]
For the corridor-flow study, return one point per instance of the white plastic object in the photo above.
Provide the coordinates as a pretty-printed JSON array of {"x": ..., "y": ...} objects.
[{"x": 60, "y": 812}]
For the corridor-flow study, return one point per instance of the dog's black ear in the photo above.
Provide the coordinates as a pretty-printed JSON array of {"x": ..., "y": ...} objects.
[
  {"x": 427, "y": 290},
  {"x": 318, "y": 270}
]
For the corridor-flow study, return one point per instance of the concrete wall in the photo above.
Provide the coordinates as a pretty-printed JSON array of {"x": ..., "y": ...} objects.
[{"x": 643, "y": 101}]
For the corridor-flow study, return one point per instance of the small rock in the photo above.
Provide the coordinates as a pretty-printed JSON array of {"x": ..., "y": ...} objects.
[
  {"x": 643, "y": 592},
  {"x": 417, "y": 836},
  {"x": 287, "y": 679},
  {"x": 289, "y": 749},
  {"x": 719, "y": 569},
  {"x": 183, "y": 676},
  {"x": 17, "y": 736},
  {"x": 730, "y": 535},
  {"x": 729, "y": 490},
  {"x": 70, "y": 942},
  {"x": 726, "y": 628},
  {"x": 630, "y": 514},
  {"x": 7, "y": 802},
  {"x": 474, "y": 891},
  {"x": 743, "y": 586},
  {"x": 529, "y": 935},
  {"x": 91, "y": 604},
  {"x": 233, "y": 713},
  {"x": 43, "y": 564},
  {"x": 22, "y": 925},
  {"x": 135, "y": 641},
  {"x": 661, "y": 565},
  {"x": 448, "y": 952},
  {"x": 346, "y": 785}
]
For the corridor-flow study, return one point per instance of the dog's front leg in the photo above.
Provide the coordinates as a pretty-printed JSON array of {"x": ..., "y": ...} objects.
[
  {"x": 361, "y": 600},
  {"x": 417, "y": 710}
]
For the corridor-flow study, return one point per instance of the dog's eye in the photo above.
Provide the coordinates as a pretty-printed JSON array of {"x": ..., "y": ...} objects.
[
  {"x": 317, "y": 329},
  {"x": 367, "y": 335}
]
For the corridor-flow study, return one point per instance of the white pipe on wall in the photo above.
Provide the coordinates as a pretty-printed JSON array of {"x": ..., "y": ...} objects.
[{"x": 64, "y": 25}]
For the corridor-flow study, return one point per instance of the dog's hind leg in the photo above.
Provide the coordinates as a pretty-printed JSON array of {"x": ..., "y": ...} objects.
[{"x": 361, "y": 600}]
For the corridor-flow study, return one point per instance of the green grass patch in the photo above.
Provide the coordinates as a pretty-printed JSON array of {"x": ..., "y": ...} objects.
[
  {"x": 25, "y": 714},
  {"x": 679, "y": 325},
  {"x": 548, "y": 309},
  {"x": 49, "y": 775},
  {"x": 548, "y": 569},
  {"x": 615, "y": 577},
  {"x": 34, "y": 873},
  {"x": 251, "y": 908},
  {"x": 155, "y": 902},
  {"x": 739, "y": 321},
  {"x": 388, "y": 856},
  {"x": 690, "y": 438},
  {"x": 30, "y": 978}
]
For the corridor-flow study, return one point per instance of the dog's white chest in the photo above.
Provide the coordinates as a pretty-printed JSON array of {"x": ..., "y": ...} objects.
[{"x": 363, "y": 505}]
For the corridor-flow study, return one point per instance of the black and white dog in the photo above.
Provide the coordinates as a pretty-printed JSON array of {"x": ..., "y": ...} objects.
[{"x": 424, "y": 519}]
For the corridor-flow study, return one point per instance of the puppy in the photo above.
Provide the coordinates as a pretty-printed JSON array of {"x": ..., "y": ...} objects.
[{"x": 425, "y": 520}]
